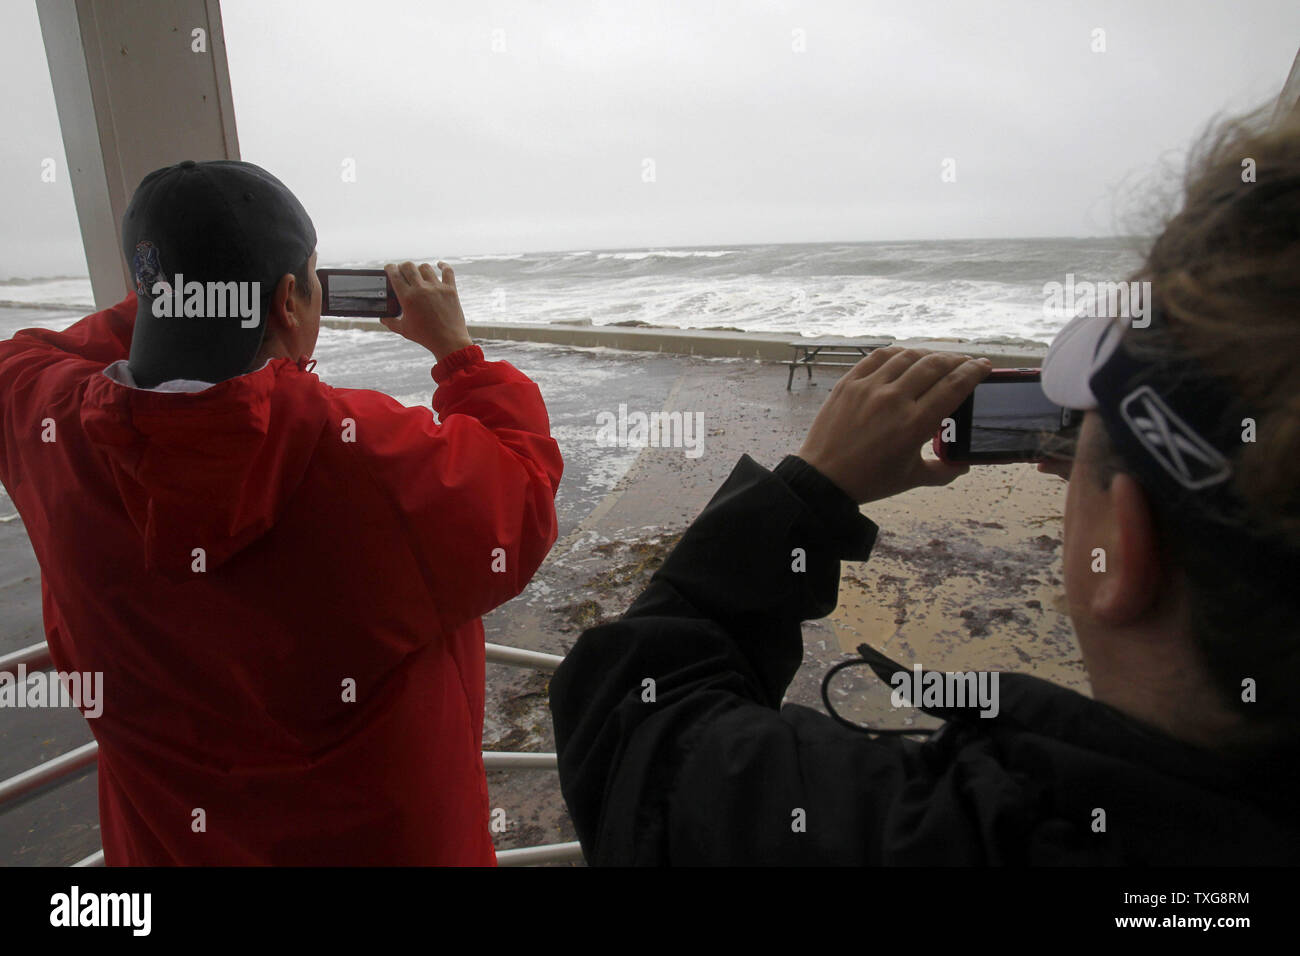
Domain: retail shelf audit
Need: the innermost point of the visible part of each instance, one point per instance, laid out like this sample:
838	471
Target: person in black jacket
673	745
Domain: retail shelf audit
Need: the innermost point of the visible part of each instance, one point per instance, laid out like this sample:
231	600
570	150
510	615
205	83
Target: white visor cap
1078	350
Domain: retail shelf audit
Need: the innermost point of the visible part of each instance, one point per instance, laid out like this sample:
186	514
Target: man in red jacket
280	581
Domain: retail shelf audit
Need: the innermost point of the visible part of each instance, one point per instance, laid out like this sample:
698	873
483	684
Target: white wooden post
138	85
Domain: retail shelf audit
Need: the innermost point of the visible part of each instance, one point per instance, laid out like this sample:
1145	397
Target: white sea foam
990	290
667	254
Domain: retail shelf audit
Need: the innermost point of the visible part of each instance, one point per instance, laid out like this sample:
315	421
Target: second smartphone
363	293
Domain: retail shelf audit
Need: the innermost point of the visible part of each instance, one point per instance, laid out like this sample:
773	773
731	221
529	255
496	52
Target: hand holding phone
867	437
431	313
1003	420
411	300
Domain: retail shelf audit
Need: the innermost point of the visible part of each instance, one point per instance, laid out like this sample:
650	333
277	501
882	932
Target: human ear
283	300
1132	579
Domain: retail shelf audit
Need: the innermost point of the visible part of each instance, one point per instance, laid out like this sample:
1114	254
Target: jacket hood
209	469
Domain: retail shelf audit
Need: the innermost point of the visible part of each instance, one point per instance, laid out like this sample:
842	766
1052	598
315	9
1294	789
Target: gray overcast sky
462	149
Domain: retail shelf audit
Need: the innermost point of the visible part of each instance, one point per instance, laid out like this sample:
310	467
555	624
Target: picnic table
830	353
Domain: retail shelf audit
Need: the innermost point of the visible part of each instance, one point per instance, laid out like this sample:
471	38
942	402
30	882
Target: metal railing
35	657
63	768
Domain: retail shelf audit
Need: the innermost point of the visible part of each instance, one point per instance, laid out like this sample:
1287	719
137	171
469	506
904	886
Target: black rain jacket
715	771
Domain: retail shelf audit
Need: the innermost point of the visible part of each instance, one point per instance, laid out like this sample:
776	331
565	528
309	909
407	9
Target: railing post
51	771
532	855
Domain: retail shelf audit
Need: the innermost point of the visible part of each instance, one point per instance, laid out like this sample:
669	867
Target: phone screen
351	294
1009	417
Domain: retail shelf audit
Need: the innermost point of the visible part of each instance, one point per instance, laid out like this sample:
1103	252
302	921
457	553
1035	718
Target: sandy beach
962	577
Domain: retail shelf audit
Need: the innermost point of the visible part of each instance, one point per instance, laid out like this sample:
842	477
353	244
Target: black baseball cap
224	224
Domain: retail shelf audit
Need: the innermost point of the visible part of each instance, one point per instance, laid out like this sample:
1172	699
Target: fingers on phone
898	363
395	276
428	272
409	272
943	472
951	389
873	360
448	273
927	370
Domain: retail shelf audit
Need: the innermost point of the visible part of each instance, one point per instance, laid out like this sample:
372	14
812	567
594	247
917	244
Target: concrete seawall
768	348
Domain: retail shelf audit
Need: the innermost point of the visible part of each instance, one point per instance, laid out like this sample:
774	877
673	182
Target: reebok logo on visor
1180	450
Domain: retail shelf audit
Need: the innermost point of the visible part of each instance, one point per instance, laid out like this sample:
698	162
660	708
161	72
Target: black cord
861	728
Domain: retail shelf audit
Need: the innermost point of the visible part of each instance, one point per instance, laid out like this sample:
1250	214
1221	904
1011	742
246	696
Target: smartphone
365	293
1004	420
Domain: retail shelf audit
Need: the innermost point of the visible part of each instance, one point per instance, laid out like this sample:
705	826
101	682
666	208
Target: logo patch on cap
146	265
1192	461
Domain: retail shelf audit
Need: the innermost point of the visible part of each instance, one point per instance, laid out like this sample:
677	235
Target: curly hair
1226	270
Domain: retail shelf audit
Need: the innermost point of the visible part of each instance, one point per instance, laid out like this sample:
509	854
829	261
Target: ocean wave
40	280
989	289
492	257
667	254
46	305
